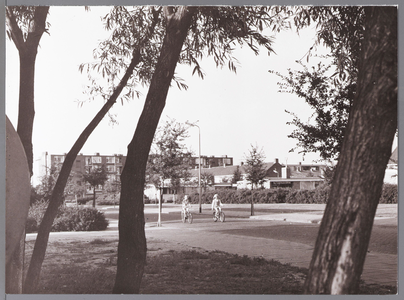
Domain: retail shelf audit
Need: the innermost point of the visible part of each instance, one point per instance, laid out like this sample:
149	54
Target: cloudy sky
234	111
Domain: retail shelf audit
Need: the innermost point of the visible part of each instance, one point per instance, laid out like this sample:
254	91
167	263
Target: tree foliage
254	166
236	175
96	176
169	158
328	89
330	101
207	179
215	31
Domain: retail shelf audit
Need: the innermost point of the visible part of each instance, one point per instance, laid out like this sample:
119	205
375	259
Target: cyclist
186	205
216	204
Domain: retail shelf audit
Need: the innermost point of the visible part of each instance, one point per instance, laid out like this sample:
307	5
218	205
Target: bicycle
219	215
187	216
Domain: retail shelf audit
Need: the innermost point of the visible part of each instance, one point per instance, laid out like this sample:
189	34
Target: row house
296	176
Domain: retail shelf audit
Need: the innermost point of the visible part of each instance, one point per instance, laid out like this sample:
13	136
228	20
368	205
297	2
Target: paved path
379	268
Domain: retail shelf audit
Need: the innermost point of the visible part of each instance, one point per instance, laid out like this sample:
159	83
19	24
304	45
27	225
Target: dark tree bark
345	230
132	239
27	49
56	199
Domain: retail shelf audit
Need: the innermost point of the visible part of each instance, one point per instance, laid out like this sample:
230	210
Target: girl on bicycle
186	205
216	204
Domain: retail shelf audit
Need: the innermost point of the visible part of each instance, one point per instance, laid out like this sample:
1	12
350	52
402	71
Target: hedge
67	218
281	195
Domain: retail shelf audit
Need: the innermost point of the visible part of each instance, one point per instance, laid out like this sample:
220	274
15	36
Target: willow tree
367	38
185	36
119	76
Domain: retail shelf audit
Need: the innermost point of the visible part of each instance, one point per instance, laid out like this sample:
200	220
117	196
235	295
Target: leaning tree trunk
345	230
132	239
41	242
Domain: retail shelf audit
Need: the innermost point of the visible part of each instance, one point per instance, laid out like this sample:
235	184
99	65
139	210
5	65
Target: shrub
67	218
321	193
31	225
389	193
282	195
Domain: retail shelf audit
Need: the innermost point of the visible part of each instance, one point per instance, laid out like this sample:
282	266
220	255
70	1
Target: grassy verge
89	266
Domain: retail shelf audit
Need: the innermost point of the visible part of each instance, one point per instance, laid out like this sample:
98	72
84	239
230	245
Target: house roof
225	171
394	157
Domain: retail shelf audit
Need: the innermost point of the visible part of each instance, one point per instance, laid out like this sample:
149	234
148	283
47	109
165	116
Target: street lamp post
199	163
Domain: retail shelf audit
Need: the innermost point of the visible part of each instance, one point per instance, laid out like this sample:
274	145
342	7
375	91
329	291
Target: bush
389	194
67	218
31	225
281	195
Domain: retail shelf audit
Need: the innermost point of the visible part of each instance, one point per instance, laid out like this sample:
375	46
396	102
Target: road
383	238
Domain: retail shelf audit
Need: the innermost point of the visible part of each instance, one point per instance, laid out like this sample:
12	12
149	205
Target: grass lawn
88	266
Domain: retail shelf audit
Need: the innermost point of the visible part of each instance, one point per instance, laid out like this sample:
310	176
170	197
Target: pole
199	173
200	190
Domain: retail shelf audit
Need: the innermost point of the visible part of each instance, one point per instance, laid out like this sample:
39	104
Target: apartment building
84	163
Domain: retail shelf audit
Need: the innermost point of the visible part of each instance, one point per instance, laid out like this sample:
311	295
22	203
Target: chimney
276	161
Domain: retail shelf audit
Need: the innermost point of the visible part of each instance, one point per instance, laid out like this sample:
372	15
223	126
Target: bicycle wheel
182	217
190	218
222	216
214	217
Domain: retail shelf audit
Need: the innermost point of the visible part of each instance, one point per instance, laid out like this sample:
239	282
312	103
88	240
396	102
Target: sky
234	111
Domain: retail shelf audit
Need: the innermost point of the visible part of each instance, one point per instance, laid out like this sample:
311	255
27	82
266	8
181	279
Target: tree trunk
345	230
132	239
26	111
252	200
94	197
56	199
27	50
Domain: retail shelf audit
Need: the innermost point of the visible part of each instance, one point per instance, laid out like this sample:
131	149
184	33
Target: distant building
84	163
391	174
296	176
212	161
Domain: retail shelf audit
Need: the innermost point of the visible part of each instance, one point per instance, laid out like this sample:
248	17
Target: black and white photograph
201	150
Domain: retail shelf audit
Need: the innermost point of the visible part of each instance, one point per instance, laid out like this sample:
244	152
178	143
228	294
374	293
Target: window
88	161
118	160
110	160
96	159
118	170
59	159
111	169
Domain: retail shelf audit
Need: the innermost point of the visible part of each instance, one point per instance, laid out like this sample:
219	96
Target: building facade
295	176
84	163
212	161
